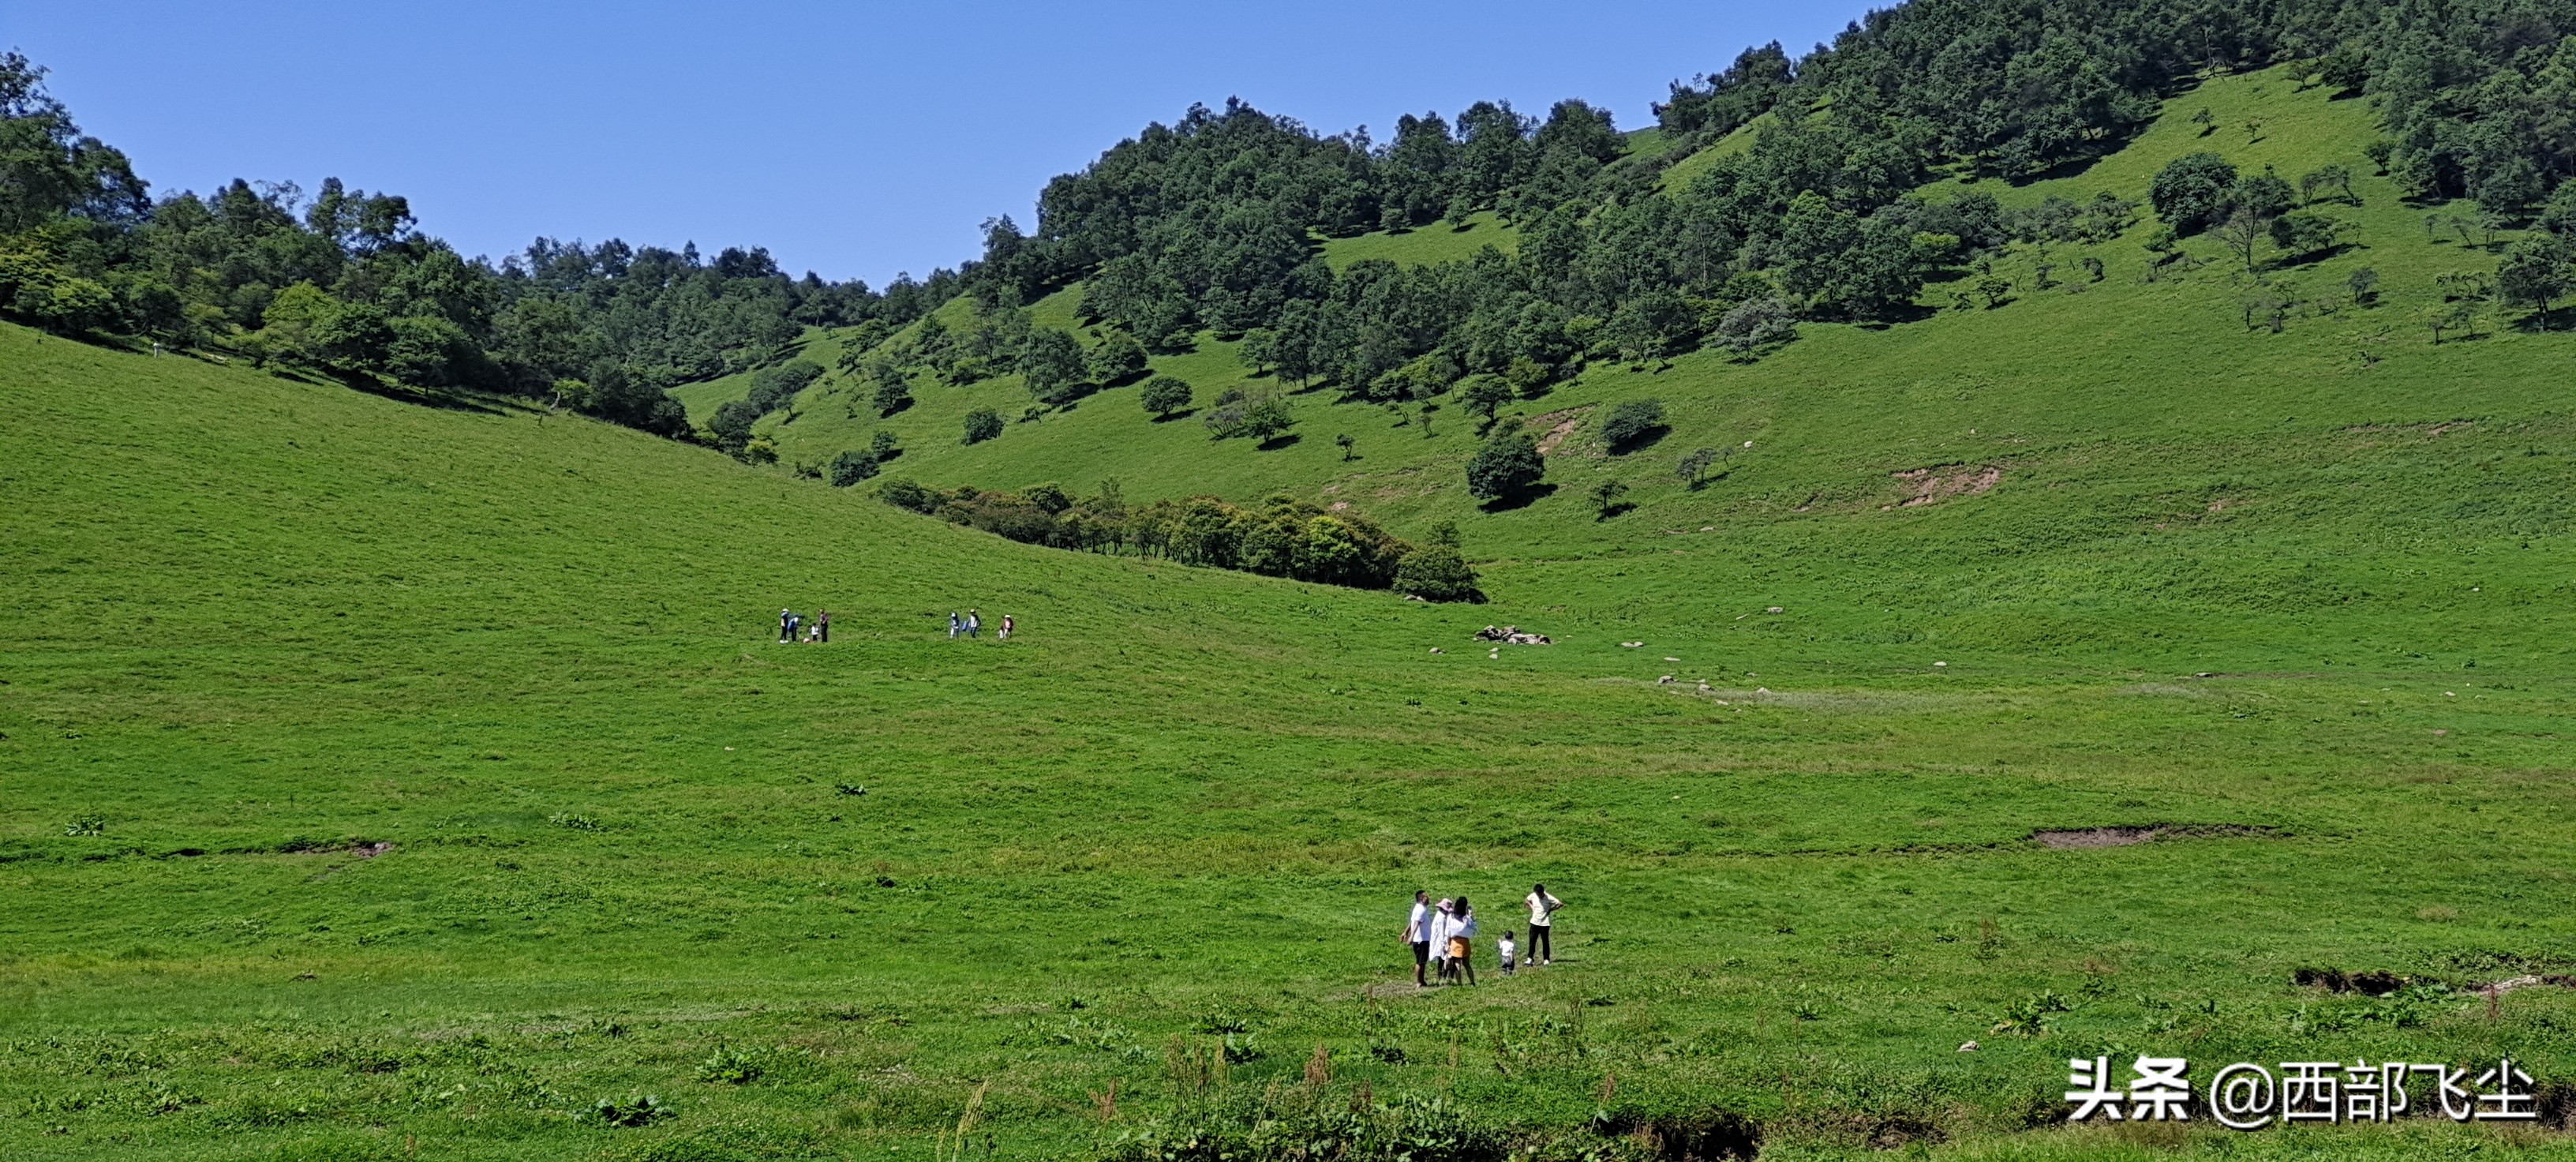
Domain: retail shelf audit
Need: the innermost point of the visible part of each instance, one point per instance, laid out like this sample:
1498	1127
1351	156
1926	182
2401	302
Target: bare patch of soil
2123	836
1932	485
1559	425
2096	837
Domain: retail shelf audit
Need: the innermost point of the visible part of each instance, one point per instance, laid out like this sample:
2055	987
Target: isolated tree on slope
1117	359
1164	395
1508	464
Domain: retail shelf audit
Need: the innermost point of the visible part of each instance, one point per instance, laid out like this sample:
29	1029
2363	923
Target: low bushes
1283	537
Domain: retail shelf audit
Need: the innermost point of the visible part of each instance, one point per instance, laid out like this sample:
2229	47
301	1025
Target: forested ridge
343	282
1212	224
1207	223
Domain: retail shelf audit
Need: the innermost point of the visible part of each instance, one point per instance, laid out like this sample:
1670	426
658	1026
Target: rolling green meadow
406	777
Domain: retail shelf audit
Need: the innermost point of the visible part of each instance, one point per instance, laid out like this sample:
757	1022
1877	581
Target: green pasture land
1680	174
2299	600
1425	245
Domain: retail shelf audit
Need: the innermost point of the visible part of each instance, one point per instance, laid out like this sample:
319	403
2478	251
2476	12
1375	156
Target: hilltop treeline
1209	222
1283	537
344	282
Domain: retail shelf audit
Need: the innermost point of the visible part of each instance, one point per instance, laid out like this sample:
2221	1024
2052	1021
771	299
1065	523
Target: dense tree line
1282	537
1209	223
343	282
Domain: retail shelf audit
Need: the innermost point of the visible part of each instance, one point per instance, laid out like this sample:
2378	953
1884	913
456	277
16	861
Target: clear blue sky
855	140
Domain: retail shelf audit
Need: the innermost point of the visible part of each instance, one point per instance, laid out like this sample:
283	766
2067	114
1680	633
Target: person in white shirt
1503	950
1542	908
1439	930
1417	932
1462	941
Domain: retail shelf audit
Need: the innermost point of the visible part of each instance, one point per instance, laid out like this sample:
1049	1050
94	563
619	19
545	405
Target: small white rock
1775	609
1940	665
1968	1047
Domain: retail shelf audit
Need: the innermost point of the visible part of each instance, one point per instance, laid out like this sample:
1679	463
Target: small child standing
1503	948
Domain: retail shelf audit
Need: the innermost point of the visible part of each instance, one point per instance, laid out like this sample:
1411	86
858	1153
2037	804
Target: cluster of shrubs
859	464
1282	537
1319	1121
772	389
1304	1123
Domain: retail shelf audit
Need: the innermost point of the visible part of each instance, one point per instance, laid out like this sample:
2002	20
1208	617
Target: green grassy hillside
1440	242
2298	600
2144	426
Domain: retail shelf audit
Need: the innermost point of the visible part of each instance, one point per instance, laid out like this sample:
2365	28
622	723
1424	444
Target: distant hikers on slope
1443	937
794	629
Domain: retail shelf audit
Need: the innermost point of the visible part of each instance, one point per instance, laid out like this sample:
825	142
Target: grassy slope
1780	898
1439	242
1681	173
2120	415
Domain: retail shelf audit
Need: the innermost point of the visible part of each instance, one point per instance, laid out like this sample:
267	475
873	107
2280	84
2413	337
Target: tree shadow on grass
1277	442
2558	319
424	397
1522	499
2313	257
1642	440
1622	508
1168	417
1898	314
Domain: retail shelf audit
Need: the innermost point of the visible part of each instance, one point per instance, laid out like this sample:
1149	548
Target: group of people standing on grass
972	625
1443	936
792	624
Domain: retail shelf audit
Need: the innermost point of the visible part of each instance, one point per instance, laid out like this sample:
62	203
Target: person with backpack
786	627
974	624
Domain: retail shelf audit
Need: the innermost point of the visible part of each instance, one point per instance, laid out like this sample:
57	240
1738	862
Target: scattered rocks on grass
1511	635
1930	485
1558	426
